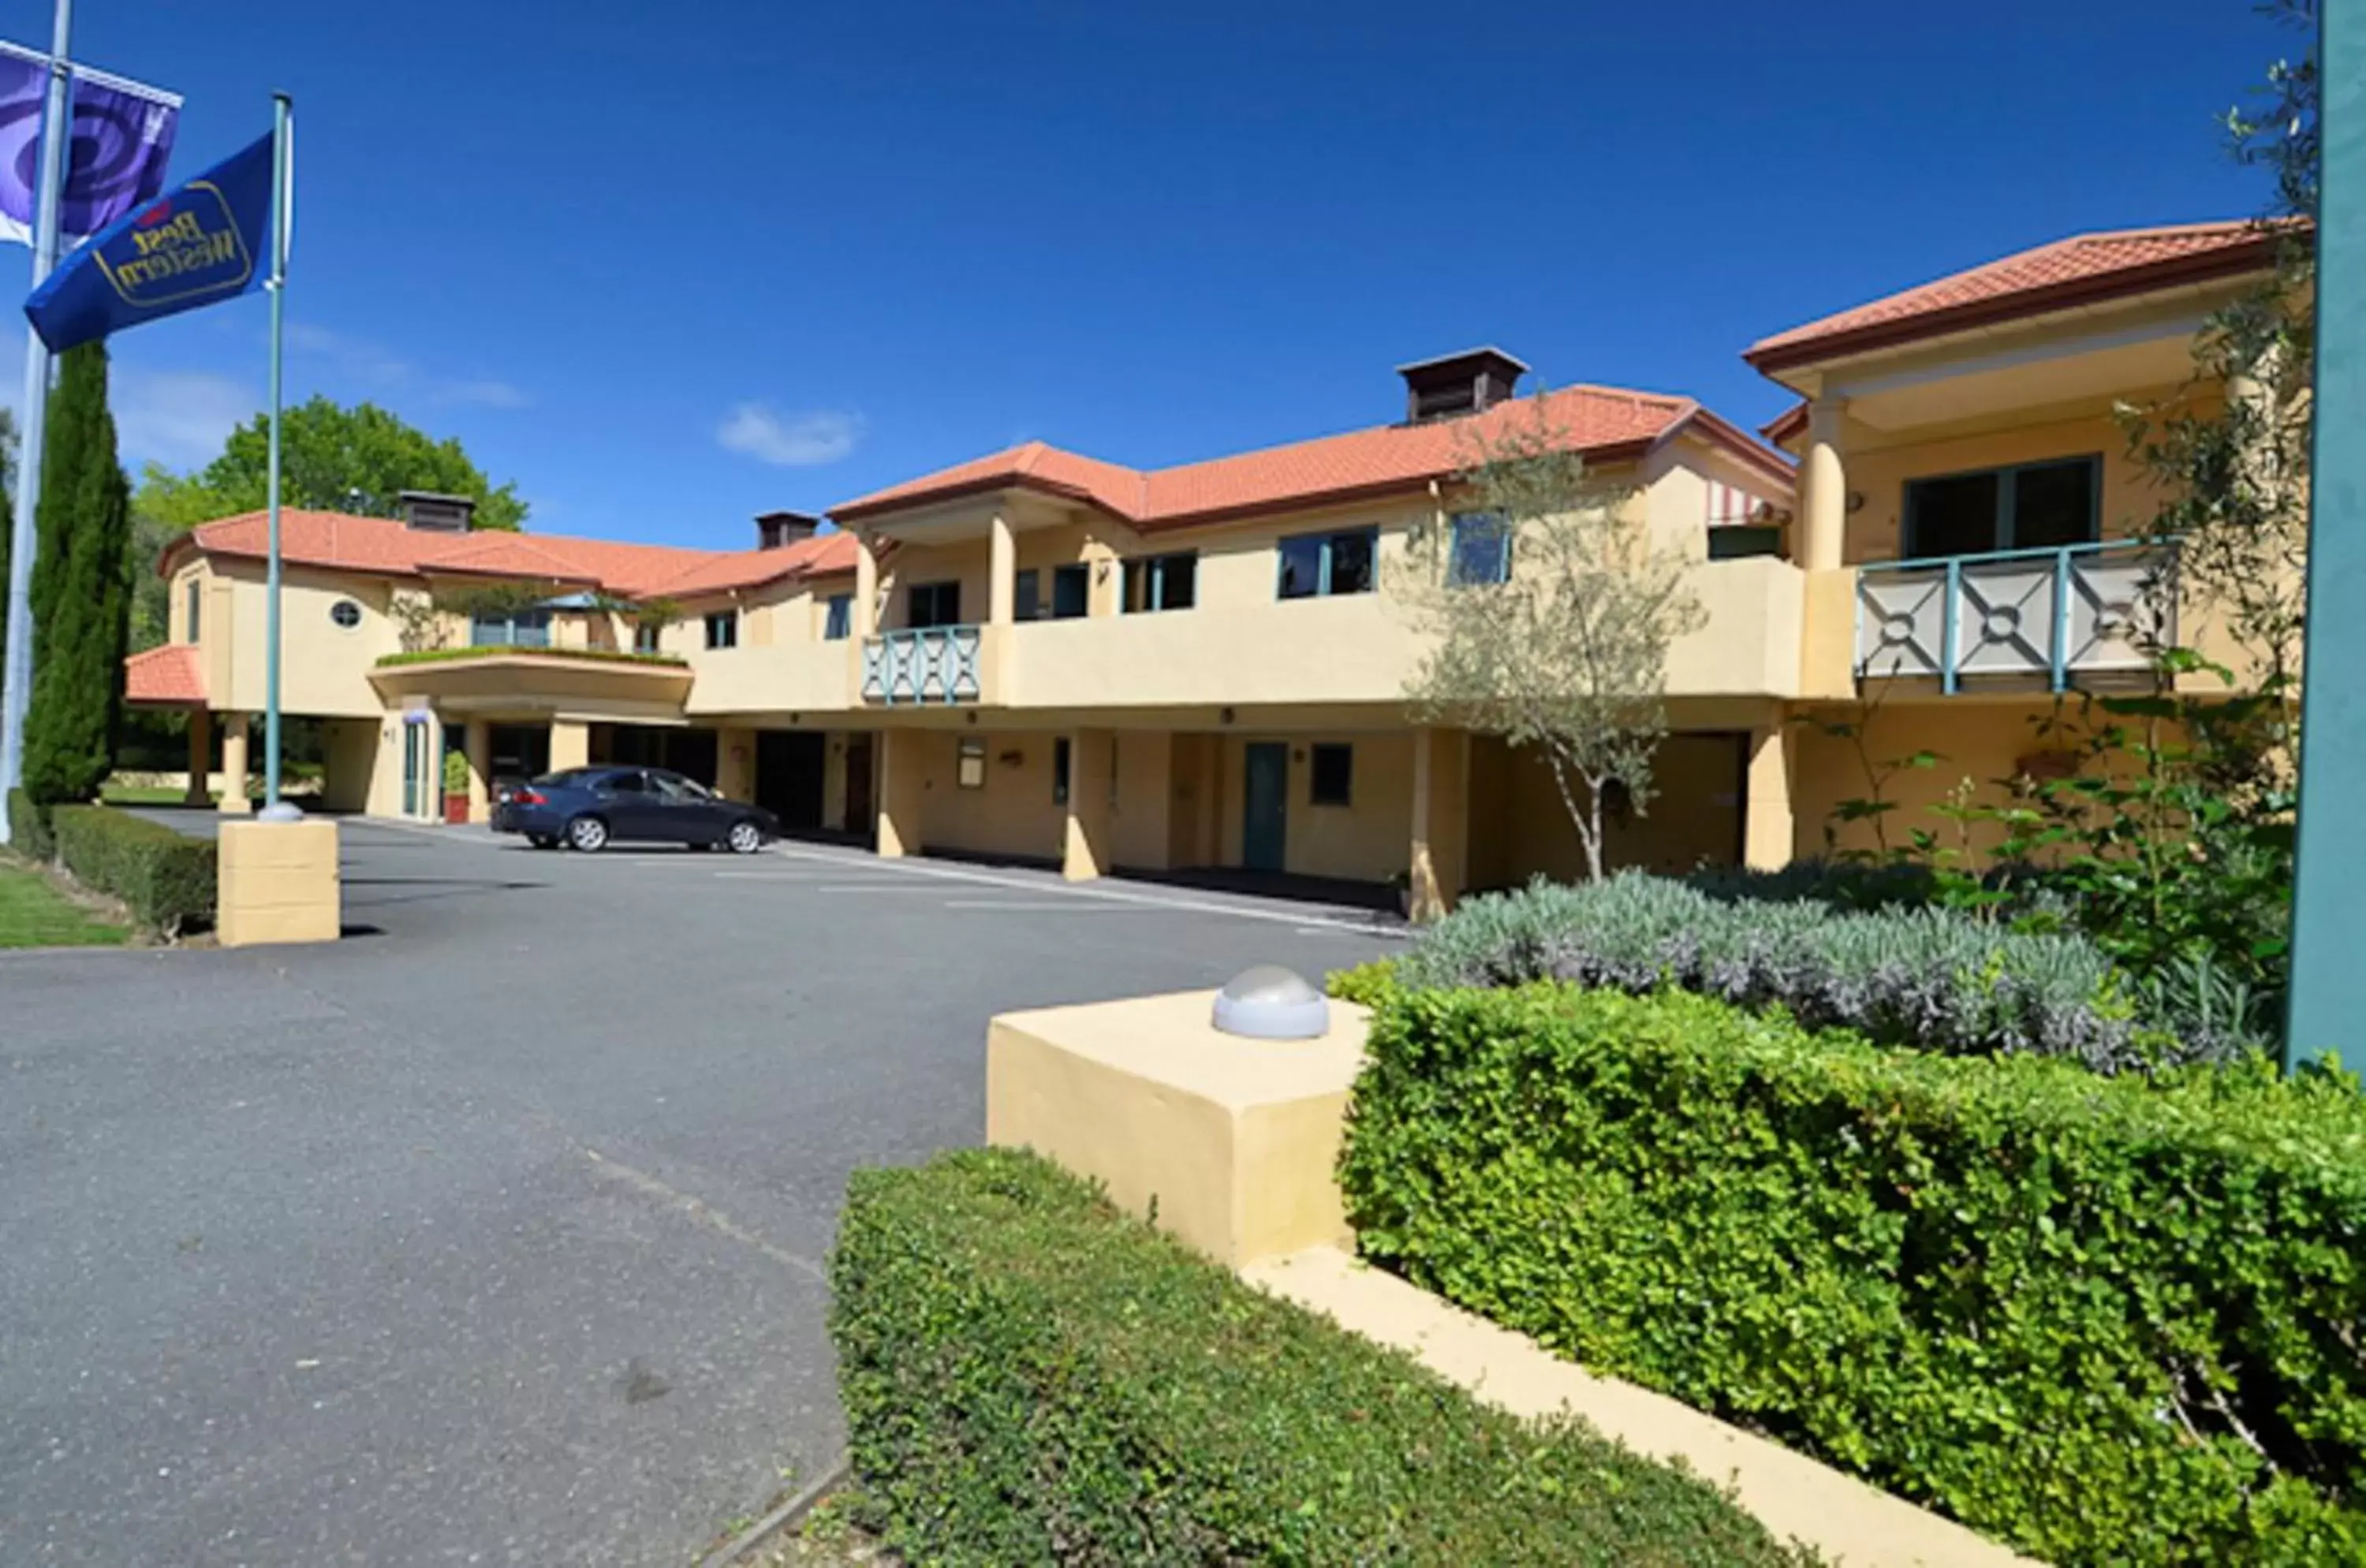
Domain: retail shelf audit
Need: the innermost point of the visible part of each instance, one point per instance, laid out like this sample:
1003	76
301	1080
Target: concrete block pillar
865	619
201	763
478	742
903	793
1823	489
735	764
1769	827
1438	866
233	800
1001	573
1092	774
570	744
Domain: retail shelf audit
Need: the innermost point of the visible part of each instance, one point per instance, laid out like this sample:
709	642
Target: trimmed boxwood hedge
166	877
2107	1320
1030	1377
28	828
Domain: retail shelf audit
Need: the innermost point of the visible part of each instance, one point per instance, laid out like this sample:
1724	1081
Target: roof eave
934	495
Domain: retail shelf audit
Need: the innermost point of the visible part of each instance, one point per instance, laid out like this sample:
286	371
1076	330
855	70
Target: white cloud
383	371
797	441
487	393
179	418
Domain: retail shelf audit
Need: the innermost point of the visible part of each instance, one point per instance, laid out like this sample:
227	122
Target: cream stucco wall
324	668
1367	840
1519	829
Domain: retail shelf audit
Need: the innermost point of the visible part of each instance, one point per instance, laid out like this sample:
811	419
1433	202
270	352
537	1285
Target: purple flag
122	138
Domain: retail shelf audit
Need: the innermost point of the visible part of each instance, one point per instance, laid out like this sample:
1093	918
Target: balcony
2017	618
923	664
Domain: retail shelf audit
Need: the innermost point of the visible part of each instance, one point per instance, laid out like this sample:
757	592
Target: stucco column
478	742
570	744
865	621
1768	825
1823	489
735	764
902	792
833	783
201	747
1084	853
1001	573
1440	858
233	799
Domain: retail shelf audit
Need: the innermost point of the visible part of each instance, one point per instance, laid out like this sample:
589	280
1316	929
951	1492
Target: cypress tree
82	588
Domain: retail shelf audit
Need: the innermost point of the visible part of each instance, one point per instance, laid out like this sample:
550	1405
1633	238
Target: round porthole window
346	613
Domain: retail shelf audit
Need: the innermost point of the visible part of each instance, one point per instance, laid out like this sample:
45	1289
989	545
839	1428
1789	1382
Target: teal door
1265	802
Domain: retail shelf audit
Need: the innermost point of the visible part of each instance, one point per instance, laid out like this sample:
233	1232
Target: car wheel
588	834
542	841
746	838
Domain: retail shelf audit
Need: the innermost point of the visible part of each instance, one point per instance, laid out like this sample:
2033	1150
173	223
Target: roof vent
433	514
777	530
1453	384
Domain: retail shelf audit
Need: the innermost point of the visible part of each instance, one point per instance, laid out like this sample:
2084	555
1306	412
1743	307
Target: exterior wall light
1269	1002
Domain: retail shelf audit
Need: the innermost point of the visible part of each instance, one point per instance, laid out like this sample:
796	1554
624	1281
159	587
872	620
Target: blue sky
667	265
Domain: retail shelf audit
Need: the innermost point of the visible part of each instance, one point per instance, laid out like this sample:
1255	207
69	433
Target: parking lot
495	1234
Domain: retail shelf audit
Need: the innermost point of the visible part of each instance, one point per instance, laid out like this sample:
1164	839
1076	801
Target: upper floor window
2027	507
723	628
1162	582
1480	550
646	635
1322	564
1072	588
933	605
193	599
518	628
837	618
345	615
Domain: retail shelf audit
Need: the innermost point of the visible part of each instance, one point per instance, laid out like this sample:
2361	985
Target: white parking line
1077	905
869	887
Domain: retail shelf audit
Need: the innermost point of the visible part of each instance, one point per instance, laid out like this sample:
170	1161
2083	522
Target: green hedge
2105	1319
1028	1377
167	878
495	650
28	828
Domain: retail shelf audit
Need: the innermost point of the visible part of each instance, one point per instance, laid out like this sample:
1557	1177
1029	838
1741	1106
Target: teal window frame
518	628
1072	592
943	599
722	629
647	637
1027	595
2000	533
1152	582
837	618
193	609
1327	542
1470	528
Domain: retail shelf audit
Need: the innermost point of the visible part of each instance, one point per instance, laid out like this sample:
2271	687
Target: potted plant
455	787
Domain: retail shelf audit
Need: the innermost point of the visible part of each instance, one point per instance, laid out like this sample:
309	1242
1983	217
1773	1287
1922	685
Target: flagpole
277	285
17	659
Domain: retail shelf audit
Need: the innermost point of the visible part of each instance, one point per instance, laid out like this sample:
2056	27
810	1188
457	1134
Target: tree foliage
82	588
332	458
1568	652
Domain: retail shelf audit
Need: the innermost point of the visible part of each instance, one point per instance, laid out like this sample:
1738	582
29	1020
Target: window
346	614
723	628
933	605
193	597
647	637
1027	595
1060	770
1322	564
519	628
2034	506
630	782
1072	588
1162	582
837	618
970	769
1334	777
1481	550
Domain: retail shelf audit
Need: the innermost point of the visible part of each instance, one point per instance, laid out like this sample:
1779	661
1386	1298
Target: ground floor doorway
861	804
789	768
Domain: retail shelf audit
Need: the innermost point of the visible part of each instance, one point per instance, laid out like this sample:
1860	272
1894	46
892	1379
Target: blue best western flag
206	242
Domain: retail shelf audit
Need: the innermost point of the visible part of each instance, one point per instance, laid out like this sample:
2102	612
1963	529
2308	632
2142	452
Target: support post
1437	867
903	797
1769	826
1001	573
17	656
234	747
570	744
202	758
1823	489
1092	774
478	742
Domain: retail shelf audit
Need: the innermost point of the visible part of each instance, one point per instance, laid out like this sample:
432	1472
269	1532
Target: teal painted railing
2012	616
923	664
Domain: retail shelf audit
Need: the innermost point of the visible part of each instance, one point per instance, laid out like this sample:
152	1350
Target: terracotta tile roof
1600	421
384	546
170	676
2078	270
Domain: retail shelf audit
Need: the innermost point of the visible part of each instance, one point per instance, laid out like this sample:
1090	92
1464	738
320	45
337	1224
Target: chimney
777	530
1454	384
433	514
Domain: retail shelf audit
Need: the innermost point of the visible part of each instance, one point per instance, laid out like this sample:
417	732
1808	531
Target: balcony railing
925	664
2051	614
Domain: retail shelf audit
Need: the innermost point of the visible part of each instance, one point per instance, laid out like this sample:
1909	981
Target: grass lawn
34	914
142	795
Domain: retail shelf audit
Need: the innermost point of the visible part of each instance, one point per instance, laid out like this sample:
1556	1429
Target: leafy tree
1568	652
81	589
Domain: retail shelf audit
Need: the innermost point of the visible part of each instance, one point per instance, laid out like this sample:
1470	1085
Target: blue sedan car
590	808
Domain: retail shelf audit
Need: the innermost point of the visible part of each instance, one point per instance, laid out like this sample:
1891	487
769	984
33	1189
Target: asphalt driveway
495	1234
